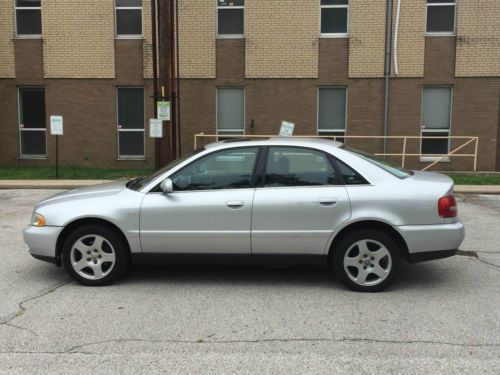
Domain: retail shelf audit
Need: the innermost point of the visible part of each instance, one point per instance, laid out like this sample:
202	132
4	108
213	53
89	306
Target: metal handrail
467	141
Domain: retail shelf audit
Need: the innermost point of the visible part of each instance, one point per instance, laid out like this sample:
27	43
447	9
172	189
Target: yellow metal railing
404	144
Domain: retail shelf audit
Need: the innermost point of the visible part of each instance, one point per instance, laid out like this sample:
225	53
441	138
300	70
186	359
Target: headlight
37	220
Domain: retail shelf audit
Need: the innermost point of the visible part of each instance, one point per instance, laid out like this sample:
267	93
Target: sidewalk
72	184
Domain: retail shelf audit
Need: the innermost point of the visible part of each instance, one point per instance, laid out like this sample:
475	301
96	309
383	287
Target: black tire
119	247
390	263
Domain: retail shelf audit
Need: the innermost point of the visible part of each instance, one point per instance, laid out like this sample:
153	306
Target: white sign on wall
56	125
155	128
286	129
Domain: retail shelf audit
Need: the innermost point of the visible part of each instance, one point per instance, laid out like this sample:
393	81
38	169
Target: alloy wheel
367	262
92	257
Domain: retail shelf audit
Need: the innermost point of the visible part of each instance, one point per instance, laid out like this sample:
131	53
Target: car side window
295	166
227	169
351	177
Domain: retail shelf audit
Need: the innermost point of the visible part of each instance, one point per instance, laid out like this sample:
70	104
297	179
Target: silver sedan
277	200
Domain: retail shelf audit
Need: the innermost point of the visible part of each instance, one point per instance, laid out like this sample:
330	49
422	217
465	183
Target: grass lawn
475	179
71	173
81	173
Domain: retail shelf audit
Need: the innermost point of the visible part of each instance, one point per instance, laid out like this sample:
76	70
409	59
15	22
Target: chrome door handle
235	204
327	202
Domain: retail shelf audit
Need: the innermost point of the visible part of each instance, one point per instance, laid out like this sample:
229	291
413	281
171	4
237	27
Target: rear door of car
300	202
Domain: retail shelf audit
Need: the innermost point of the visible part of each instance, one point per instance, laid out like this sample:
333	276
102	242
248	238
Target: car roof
288	141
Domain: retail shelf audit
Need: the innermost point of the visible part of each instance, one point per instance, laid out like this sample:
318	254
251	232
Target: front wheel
95	255
366	261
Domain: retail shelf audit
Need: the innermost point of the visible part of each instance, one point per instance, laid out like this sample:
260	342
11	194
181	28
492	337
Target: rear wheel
366	260
95	255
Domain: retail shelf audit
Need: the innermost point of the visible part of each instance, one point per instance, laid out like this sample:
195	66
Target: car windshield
140	182
386	165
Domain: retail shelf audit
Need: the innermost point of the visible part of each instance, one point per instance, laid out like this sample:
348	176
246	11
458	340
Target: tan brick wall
78	39
366	38
281	38
7	65
197	25
147	45
411	37
478	38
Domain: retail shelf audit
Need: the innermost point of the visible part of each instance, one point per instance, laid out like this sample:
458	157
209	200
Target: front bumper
432	239
42	242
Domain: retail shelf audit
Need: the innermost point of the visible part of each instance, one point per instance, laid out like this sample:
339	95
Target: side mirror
167	186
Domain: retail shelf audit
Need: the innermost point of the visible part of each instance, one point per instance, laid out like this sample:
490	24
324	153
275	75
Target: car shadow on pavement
414	276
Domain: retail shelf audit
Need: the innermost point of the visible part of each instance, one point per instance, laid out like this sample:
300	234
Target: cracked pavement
438	317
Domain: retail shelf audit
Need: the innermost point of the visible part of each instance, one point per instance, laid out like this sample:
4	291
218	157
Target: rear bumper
42	242
431	255
432	238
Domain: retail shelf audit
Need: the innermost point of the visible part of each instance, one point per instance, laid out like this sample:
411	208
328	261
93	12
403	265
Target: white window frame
228	36
334	132
129	36
26	36
119	130
333	35
227	133
23	129
442	33
423	130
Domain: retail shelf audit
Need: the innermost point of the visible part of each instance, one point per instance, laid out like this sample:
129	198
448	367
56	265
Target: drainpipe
396	34
387	74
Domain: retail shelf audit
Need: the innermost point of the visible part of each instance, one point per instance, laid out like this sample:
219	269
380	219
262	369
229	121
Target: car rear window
384	164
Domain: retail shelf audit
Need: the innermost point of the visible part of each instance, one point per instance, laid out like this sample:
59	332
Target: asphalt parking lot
438	317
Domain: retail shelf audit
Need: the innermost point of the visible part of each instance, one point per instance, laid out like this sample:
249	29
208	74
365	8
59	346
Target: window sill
129	37
428	159
23	37
230	37
440	34
333	36
33	157
131	158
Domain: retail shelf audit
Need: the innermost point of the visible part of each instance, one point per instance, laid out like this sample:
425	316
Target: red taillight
447	206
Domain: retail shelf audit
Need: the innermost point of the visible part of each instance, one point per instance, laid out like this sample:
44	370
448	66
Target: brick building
246	65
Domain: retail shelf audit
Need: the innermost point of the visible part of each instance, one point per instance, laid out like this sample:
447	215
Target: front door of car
209	210
300	203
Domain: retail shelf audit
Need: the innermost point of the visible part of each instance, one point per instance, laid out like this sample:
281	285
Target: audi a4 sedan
278	200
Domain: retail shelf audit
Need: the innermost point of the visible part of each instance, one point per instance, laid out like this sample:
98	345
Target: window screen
128	17
230	110
436	108
441	16
331	109
230	17
130	122
28	18
334	16
32	124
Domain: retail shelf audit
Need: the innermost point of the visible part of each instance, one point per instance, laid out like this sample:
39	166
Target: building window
334	17
230	112
28	18
436	121
130	122
32	125
332	111
441	16
128	18
230	18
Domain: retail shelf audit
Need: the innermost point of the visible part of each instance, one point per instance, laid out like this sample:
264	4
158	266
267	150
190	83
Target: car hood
96	191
